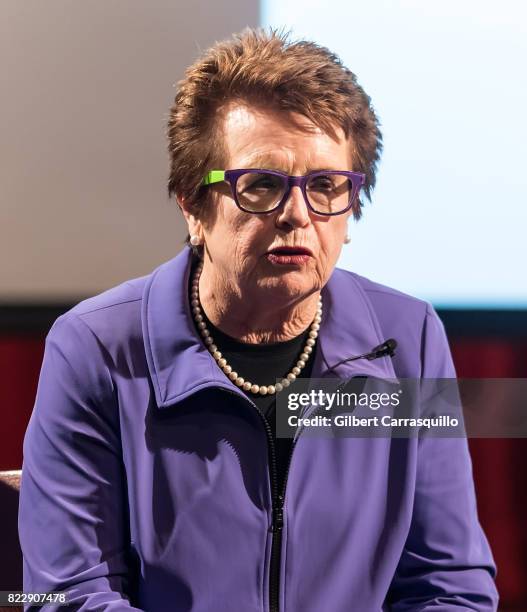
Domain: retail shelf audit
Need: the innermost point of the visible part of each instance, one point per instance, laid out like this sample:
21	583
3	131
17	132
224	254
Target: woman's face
237	244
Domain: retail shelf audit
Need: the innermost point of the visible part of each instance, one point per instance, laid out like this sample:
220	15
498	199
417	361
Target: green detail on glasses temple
214	176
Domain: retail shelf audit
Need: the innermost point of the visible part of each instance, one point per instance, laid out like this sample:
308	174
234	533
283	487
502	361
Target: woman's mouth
289	256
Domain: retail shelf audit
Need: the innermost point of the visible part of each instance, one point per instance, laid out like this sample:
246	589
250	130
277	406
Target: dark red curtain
20	361
500	469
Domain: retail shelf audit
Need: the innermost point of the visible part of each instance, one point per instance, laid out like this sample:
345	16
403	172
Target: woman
152	478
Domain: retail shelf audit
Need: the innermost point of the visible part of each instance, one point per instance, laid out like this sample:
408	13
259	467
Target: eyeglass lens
261	192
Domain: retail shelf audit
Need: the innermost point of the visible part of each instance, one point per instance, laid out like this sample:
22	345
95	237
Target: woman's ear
193	223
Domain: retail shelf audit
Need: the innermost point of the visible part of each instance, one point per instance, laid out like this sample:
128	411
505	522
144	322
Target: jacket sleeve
446	564
73	523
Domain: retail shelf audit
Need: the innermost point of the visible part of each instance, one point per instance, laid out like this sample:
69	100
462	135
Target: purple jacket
146	479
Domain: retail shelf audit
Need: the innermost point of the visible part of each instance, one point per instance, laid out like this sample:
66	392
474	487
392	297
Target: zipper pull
278	514
278	520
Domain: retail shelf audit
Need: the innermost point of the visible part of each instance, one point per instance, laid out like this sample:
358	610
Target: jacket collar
180	365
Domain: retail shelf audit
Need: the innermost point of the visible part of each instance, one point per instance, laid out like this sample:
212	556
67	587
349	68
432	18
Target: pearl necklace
222	362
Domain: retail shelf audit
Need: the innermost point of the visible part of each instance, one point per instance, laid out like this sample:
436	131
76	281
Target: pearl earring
194	240
347	239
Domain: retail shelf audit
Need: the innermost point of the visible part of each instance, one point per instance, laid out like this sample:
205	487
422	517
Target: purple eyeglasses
257	191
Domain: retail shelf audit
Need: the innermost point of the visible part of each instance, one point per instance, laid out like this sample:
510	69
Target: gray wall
85	92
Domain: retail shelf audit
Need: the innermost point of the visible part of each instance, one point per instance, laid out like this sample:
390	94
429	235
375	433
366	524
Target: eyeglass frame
357	180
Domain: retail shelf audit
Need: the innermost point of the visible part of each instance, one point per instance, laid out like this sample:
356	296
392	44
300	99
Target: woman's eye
321	183
261	184
265	183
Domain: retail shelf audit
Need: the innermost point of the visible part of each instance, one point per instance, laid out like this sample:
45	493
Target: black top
262	364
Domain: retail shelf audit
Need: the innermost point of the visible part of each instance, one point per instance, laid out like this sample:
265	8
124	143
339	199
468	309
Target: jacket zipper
277	508
276	549
278	499
278	515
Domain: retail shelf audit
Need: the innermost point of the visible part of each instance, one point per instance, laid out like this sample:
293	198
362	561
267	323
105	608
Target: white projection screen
448	218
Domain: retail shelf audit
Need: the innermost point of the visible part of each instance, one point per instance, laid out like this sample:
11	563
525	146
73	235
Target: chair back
10	553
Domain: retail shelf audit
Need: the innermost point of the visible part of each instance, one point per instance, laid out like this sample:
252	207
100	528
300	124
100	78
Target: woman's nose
294	211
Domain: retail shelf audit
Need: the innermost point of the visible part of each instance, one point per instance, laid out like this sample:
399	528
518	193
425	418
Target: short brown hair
266	68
